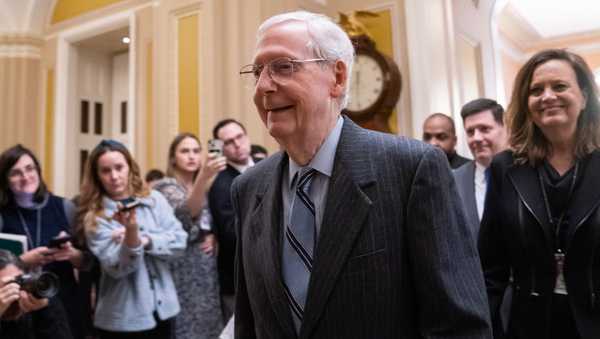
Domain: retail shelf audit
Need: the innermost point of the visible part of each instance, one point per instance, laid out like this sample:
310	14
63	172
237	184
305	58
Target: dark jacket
47	323
219	202
394	257
516	236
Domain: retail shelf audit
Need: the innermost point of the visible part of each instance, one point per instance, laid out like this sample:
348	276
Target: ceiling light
126	40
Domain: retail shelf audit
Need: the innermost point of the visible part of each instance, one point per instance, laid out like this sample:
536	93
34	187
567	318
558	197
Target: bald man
439	130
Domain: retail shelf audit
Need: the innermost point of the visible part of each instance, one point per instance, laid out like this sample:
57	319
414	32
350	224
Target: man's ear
340	72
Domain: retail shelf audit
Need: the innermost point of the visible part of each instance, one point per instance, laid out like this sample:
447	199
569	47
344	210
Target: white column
433	83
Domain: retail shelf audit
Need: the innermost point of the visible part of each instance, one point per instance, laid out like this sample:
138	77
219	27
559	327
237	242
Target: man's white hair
328	40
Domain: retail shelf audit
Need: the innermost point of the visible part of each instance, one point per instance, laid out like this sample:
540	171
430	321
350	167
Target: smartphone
128	204
59	240
215	146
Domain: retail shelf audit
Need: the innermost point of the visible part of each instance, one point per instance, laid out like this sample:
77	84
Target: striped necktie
299	245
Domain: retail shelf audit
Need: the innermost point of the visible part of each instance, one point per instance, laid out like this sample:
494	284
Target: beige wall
21	92
20	97
425	47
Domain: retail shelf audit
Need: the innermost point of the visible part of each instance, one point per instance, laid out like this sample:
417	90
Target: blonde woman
137	297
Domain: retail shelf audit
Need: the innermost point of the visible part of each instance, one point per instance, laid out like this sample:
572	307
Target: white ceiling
555	18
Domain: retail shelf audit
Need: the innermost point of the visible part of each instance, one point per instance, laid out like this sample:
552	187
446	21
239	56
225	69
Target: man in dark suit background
236	149
346	233
486	137
439	130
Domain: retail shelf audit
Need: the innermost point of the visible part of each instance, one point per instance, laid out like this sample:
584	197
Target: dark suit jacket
465	183
516	236
393	259
456	160
219	202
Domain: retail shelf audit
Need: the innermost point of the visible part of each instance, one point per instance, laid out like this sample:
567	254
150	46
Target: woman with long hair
540	230
28	208
132	232
195	273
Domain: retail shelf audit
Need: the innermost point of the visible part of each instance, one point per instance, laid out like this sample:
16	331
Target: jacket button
160	302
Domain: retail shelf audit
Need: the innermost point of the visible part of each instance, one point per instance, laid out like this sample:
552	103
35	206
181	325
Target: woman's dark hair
173	148
7	160
525	138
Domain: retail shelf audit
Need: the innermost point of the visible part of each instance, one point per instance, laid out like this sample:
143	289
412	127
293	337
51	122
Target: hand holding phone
128	204
59	240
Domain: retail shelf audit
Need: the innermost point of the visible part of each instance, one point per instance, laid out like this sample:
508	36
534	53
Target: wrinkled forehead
285	39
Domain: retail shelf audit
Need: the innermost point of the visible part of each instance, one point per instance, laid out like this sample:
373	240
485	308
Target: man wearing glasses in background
347	233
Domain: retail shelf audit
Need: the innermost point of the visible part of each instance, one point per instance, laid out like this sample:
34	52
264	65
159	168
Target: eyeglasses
279	70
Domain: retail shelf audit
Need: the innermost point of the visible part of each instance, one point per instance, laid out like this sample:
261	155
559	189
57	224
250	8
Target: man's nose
477	135
264	83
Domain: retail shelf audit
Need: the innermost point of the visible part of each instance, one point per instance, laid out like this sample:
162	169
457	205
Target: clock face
367	83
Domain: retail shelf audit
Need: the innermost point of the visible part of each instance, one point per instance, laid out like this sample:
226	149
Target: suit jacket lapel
267	222
470	197
527	184
587	197
346	210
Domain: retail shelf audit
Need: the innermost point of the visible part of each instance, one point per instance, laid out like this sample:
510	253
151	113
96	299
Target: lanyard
558	224
38	233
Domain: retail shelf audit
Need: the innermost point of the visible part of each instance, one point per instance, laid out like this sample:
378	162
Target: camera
40	286
44	285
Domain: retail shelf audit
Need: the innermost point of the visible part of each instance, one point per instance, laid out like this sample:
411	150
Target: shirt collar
242	168
479	167
323	160
479	171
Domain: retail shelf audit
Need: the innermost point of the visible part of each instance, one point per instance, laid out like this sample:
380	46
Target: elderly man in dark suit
346	233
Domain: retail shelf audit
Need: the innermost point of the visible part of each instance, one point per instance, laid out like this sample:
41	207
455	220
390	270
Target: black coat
47	323
516	235
394	257
219	202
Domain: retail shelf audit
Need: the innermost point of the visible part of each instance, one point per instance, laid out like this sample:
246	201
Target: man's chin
279	131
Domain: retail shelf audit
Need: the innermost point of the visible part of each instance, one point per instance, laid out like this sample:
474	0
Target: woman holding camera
22	315
133	233
28	208
540	230
195	273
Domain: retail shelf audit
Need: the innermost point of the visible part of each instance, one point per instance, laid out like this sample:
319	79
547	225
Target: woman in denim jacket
137	297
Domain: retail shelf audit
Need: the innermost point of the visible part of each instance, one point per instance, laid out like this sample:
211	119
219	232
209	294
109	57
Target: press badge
560	287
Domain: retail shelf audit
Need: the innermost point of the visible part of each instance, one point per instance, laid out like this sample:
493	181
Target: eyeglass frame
255	67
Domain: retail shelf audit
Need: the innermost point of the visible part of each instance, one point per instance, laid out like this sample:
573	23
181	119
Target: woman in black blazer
540	230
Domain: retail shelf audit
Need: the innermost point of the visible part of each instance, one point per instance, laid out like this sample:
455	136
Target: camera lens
47	285
40	286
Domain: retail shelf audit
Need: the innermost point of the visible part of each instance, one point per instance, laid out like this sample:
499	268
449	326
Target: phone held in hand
128	204
215	146
59	240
